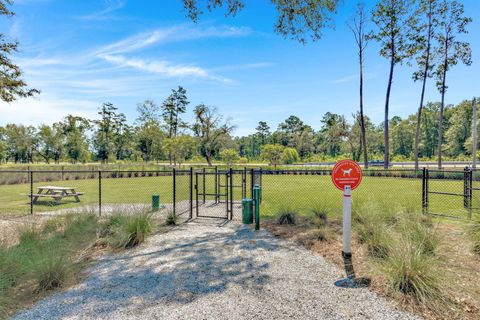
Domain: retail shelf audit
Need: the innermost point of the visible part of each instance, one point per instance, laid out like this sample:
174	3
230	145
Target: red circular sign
346	173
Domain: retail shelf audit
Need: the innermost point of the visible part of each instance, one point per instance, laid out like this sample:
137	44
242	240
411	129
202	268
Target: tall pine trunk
362	118
386	158
442	107
422	95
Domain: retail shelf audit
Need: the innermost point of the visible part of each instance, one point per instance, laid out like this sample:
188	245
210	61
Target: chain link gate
219	194
449	193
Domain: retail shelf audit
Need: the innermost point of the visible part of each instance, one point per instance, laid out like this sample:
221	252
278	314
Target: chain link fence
212	192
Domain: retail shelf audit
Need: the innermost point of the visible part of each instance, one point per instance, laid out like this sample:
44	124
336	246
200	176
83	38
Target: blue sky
83	53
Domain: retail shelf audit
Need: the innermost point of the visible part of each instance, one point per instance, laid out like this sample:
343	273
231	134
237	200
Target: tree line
426	34
160	133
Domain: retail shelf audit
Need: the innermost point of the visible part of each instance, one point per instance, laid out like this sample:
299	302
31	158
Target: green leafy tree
294	133
290	156
3	146
297	19
21	142
451	50
402	137
263	132
12	86
392	18
76	145
108	129
211	130
148	111
149	141
458	135
50	142
229	156
332	134
180	147
272	153
173	107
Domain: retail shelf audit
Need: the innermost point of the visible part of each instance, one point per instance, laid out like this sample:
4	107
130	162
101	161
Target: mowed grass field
301	192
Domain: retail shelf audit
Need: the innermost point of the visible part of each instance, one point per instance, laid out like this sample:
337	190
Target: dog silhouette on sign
346	173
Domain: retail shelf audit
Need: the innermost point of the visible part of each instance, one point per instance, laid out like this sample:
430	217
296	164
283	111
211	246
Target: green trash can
247	211
155	202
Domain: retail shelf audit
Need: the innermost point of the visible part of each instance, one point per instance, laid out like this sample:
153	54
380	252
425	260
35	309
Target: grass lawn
301	192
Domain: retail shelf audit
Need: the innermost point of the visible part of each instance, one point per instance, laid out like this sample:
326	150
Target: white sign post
346	176
347	221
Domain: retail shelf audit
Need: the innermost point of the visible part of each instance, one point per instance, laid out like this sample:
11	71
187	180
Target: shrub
320	214
376	238
50	267
287	215
29	236
127	231
423	235
171	219
411	272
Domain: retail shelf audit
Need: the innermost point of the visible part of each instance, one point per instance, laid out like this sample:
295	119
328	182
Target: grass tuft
128	231
171	219
320	215
50	267
287	215
411	272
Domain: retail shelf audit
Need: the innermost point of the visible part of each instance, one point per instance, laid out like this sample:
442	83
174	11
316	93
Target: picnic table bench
57	193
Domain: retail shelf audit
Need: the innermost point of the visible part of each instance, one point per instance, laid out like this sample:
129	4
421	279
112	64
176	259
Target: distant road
408	164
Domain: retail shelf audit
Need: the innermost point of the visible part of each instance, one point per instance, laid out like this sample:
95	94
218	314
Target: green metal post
256	198
259	193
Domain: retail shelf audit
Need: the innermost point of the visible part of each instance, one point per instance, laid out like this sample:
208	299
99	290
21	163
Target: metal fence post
426	176
99	193
470	193
191	192
31	192
423	190
204	189
174	191
252	182
465	187
217	182
231	193
261	176
196	194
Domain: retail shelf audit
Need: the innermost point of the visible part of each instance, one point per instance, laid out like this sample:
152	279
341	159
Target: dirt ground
461	268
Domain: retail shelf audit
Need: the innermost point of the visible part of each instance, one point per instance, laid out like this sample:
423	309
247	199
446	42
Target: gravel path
213	270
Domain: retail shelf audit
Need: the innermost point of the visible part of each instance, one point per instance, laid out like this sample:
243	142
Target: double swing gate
219	194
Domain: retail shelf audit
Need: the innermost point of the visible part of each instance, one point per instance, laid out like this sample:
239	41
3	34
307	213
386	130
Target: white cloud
164	68
111	6
44	109
176	33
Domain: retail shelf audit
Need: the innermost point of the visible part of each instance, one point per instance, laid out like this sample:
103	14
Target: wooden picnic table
57	193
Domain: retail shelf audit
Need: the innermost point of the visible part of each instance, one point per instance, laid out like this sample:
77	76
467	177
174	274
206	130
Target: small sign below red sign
346	173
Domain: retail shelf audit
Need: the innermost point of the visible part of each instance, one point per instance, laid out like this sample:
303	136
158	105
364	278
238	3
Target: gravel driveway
213	270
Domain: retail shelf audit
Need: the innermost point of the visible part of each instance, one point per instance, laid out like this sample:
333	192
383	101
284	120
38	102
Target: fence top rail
92	171
446	171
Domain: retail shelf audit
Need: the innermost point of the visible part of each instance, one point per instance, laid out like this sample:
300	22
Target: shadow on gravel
183	269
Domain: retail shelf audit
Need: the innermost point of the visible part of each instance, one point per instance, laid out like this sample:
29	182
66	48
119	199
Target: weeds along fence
196	192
